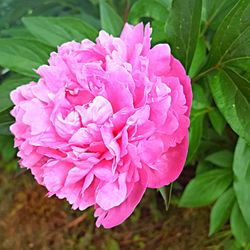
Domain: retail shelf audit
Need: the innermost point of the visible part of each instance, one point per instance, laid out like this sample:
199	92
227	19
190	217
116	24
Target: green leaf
23	56
232	245
200	100
156	11
221	211
7	86
12	165
57	30
8	151
216	10
183	29
200	107
241	168
228	68
239	227
195	133
231	40
223	158
17	32
148	8
110	20
217	120
5	121
205	188
198	59
203	167
232	96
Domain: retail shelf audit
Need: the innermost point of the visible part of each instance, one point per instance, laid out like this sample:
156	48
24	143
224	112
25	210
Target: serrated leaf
182	29
223	158
239	227
57	30
221	211
205	188
22	55
241	168
111	22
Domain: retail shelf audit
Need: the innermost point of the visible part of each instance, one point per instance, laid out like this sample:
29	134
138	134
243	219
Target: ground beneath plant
30	220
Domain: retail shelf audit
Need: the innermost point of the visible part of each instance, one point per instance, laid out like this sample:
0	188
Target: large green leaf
110	20
221	211
228	68
182	29
8	85
57	30
223	158
206	188
241	168
215	11
232	96
238	225
23	56
231	41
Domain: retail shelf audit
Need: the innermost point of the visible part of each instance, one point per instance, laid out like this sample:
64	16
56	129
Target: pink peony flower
105	121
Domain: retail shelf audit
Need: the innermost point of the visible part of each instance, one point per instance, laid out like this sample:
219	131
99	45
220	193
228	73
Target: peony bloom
105	121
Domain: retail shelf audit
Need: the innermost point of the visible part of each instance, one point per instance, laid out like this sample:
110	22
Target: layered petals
104	122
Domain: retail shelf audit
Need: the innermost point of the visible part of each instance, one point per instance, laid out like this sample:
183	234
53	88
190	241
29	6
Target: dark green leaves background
212	40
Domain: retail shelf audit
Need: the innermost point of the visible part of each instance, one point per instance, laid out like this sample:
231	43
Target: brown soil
30	220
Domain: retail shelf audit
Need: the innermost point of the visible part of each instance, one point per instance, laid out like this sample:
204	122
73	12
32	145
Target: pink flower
105	121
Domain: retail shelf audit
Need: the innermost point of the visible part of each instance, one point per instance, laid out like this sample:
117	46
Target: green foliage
212	40
156	11
241	168
239	227
206	188
23	55
110	20
221	211
223	158
182	29
8	85
57	30
217	120
229	83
